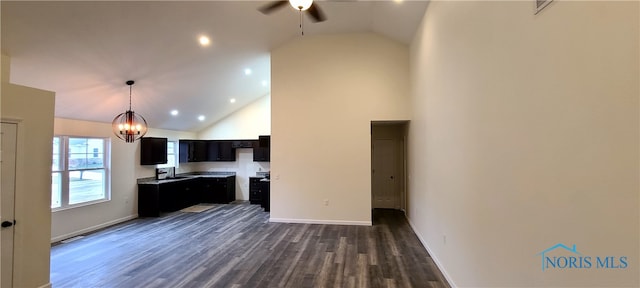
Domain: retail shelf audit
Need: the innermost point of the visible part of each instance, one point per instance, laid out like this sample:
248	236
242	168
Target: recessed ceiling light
247	71
264	83
204	40
201	117
398	1
174	112
232	100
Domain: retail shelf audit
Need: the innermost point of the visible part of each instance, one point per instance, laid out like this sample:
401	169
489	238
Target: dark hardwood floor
235	246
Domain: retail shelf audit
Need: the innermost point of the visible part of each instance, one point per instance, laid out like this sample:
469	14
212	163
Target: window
172	155
80	171
56	179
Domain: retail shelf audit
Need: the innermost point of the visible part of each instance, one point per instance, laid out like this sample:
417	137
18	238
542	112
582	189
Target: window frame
64	171
173	156
57	171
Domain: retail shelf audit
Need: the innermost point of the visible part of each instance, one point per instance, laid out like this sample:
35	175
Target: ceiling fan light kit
306	6
301	4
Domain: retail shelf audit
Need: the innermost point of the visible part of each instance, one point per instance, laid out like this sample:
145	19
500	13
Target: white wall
524	135
325	91
33	108
6	68
125	170
248	122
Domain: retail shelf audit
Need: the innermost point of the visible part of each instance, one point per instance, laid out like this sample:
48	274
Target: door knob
6	224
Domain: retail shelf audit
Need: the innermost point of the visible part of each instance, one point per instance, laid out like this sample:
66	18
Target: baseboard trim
325	222
435	259
92	228
48	285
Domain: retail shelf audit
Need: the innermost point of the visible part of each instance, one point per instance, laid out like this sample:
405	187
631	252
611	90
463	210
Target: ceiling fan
301	5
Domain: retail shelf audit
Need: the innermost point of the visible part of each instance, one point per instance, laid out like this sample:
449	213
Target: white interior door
8	137
383	176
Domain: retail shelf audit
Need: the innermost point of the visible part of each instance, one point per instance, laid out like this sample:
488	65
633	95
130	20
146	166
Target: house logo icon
563	257
548	260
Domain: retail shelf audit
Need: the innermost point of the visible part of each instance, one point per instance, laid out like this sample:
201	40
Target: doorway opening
388	167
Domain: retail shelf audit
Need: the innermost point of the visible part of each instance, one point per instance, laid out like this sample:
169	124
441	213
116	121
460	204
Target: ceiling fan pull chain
301	27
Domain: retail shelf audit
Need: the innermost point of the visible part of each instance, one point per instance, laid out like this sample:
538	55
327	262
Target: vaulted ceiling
85	51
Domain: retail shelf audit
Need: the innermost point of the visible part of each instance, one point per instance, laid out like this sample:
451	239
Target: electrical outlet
326	202
444	239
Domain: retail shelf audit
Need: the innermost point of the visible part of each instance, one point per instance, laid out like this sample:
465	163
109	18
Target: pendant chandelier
129	126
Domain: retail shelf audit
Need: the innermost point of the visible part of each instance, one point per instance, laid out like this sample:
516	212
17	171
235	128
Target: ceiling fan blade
266	9
315	13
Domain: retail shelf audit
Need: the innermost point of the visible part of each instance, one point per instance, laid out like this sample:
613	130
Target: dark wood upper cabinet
220	150
262	151
199	151
213	150
261	154
153	151
183	151
264	141
227	152
193	151
242	143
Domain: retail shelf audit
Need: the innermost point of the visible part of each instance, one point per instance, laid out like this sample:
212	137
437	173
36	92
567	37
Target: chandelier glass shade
129	126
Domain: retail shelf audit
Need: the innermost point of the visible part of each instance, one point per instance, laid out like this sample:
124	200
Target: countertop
185	176
262	176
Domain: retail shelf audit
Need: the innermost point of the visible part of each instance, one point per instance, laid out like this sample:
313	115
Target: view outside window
86	170
172	155
82	178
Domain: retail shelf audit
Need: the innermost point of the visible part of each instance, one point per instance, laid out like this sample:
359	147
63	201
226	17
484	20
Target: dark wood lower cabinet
266	195
166	197
170	196
178	195
255	192
218	190
259	192
148	200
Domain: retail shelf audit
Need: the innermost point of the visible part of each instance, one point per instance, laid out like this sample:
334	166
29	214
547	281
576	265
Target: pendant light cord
130	97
